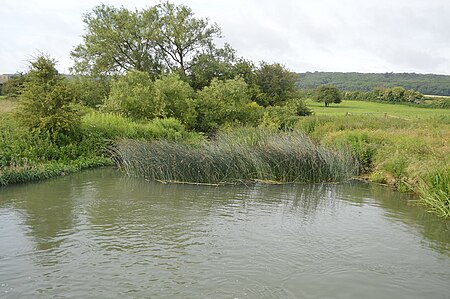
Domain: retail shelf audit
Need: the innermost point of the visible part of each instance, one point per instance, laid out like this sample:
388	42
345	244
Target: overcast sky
304	35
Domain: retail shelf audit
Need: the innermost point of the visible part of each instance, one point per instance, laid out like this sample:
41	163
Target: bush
133	95
90	91
222	102
177	97
110	126
46	101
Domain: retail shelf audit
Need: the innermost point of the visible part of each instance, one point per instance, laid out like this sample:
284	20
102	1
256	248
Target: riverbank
411	154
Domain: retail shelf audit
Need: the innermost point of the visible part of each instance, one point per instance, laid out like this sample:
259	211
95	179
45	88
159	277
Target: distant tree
328	94
14	85
164	37
277	84
46	100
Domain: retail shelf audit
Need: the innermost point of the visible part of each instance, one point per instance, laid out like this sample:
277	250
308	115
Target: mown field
376	109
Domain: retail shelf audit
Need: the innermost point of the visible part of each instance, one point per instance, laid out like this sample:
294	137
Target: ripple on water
105	236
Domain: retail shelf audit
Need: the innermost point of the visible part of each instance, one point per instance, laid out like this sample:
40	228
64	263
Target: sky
305	35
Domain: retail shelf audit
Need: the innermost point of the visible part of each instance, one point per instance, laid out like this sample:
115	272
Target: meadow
376	109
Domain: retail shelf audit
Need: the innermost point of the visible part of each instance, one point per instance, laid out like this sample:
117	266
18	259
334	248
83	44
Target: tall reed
248	154
434	190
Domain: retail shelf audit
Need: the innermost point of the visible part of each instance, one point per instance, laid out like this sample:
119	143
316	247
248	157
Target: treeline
425	83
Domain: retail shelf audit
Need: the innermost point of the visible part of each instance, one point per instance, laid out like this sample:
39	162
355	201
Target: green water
98	234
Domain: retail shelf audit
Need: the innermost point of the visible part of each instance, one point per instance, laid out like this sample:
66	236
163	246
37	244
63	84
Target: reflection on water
99	234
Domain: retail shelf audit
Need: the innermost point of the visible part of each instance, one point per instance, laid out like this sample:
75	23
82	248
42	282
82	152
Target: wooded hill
425	83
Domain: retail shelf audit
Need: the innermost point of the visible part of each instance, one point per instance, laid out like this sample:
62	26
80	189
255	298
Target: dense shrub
90	91
133	95
222	102
178	99
109	126
46	101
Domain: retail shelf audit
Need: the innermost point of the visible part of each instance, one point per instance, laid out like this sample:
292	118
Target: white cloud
327	35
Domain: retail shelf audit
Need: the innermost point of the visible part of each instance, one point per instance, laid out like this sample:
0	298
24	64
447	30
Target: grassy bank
412	155
241	155
29	156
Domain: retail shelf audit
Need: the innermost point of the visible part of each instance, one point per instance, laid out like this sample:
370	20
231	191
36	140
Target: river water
99	234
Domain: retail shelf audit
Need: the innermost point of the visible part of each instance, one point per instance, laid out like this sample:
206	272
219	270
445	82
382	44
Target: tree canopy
161	38
328	94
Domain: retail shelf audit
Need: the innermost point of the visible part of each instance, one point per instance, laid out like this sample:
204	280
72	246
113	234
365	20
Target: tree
216	63
118	40
222	102
182	37
328	94
133	95
277	84
45	100
177	96
14	85
161	38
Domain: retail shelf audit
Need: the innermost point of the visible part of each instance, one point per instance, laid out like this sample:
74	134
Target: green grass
7	105
247	154
399	152
376	109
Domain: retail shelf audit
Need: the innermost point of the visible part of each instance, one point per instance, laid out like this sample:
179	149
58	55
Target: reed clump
243	155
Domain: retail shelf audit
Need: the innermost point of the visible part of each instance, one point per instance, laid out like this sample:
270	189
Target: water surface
99	234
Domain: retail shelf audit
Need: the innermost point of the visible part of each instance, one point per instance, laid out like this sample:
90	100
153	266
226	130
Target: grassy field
376	109
7	105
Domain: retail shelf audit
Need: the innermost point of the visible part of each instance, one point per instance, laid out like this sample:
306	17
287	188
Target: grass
376	109
434	190
7	105
399	152
244	155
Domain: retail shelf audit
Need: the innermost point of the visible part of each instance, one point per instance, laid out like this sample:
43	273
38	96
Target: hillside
425	83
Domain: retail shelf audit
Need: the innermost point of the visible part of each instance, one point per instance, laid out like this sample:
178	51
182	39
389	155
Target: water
98	234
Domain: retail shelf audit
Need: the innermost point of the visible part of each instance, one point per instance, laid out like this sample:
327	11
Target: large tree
277	84
164	37
328	94
182	37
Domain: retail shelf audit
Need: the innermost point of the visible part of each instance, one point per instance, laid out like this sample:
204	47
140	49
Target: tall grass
408	154
434	190
249	154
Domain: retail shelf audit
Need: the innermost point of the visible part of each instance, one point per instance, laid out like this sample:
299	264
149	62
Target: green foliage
402	153
276	83
434	190
181	37
279	117
424	83
222	102
328	94
46	101
133	95
229	159
90	91
178	99
161	37
106	127
13	87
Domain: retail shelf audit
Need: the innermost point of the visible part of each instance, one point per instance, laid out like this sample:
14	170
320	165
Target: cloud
305	35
